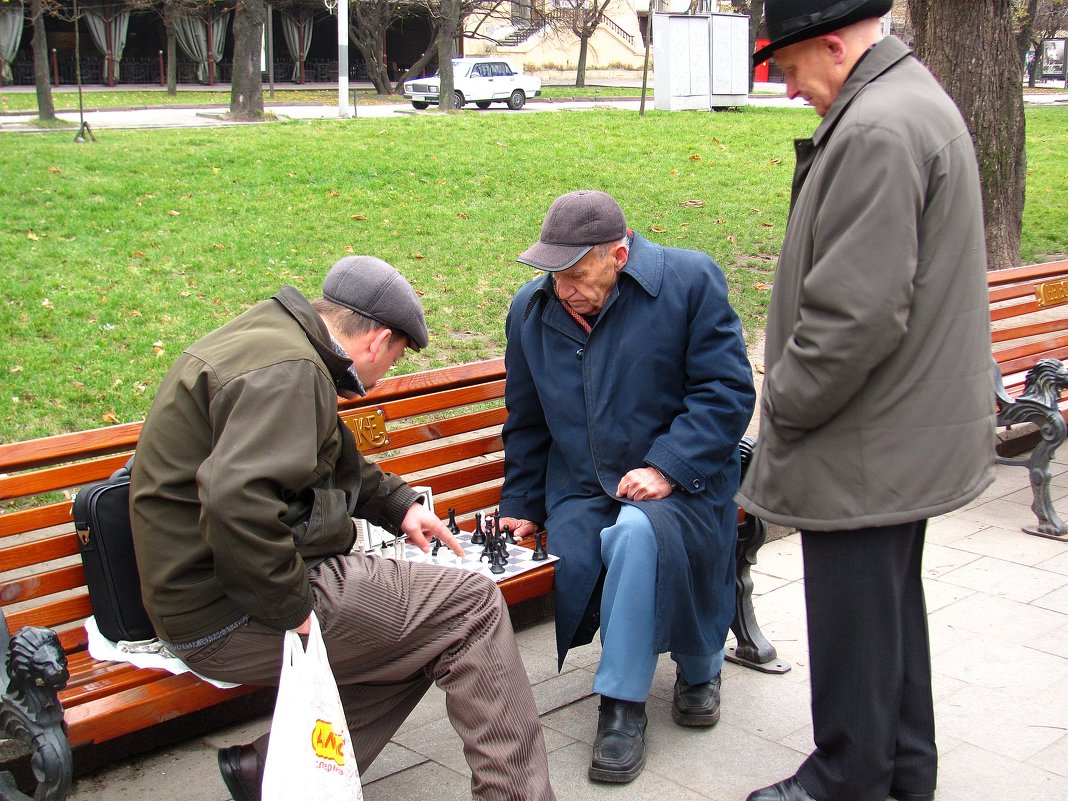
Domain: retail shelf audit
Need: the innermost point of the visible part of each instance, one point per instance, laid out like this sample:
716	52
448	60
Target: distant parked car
477	80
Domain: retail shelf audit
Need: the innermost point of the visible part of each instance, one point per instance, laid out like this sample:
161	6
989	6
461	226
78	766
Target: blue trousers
628	614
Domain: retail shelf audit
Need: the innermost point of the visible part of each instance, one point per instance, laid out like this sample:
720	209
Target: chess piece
453	527
499	558
508	535
540	552
479	536
437	544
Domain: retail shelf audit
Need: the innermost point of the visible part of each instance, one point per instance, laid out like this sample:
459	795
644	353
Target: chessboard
520	559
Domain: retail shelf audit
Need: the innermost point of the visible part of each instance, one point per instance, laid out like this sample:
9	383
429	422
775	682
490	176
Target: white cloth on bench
140	653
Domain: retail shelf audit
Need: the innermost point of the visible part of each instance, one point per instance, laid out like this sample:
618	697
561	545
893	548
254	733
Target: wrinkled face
586	284
812	72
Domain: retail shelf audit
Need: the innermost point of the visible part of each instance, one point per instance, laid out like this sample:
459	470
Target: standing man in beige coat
876	411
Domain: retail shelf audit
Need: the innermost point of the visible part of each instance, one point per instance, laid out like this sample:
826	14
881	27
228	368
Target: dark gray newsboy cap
374	289
574	223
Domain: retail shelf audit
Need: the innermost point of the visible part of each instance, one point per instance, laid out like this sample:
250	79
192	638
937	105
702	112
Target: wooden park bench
439	428
1029	320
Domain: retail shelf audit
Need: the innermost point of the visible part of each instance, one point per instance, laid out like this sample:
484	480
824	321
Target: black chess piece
499	558
479	536
437	544
540	552
508	535
453	527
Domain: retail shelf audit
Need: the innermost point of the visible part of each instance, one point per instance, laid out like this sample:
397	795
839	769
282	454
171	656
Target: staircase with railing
560	18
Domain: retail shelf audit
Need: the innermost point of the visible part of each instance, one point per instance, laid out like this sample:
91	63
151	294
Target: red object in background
761	72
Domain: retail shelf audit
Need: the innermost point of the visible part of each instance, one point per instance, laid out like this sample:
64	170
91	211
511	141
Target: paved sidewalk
998	610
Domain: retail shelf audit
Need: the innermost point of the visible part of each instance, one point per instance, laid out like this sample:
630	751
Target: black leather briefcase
102	519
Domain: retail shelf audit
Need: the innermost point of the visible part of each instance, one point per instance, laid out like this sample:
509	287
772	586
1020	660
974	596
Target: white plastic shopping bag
310	755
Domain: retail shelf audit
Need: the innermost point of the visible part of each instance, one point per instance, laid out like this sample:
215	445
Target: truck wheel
516	100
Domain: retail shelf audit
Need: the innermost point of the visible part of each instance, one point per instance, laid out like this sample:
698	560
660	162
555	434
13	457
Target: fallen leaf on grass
350	249
32	236
333	193
357	217
16	369
47	304
110	417
461	215
416	255
157	348
656	229
693	204
775	161
695	157
174	213
54	170
768	225
217	246
762	286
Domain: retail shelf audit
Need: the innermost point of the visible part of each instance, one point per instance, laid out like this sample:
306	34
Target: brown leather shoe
242	772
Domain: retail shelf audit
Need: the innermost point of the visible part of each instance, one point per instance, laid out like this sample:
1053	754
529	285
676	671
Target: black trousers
870	662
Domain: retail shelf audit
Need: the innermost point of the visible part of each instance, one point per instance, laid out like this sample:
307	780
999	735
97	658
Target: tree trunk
970	47
246	94
46	109
368	39
172	49
416	69
580	70
450	23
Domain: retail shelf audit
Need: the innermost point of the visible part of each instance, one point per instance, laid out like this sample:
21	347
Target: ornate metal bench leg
1049	523
1039	405
33	669
753	649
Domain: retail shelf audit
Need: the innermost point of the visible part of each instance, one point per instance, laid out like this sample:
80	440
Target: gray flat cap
374	289
574	223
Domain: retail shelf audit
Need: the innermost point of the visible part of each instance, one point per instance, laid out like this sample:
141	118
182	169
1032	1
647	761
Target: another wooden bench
443	432
1029	320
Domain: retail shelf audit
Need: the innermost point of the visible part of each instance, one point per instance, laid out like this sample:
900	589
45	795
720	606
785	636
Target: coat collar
878	60
339	367
645	265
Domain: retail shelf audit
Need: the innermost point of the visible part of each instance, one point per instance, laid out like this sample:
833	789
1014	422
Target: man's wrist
671	482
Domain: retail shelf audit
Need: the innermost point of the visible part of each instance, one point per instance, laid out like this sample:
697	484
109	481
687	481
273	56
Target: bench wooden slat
33	553
1046	346
1015	310
111	678
40	584
1030	330
443	455
68	447
441	429
51	614
1030	272
40	517
1027	362
138	708
59	478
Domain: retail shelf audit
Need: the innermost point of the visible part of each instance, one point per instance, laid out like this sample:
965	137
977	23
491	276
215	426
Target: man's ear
622	253
379	342
835	47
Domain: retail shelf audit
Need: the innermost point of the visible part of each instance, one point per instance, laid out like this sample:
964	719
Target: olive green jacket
877	405
243	471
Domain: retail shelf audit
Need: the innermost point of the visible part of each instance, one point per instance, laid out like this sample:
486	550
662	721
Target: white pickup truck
477	80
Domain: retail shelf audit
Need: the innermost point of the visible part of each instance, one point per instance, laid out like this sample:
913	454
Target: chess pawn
453	527
479	536
540	553
508	535
437	544
498	560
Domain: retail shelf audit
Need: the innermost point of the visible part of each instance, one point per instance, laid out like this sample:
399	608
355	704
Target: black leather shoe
786	790
696	704
902	795
242	772
619	750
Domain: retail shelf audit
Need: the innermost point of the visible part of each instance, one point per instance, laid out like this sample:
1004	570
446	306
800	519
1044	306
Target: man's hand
643	484
305	627
420	524
518	526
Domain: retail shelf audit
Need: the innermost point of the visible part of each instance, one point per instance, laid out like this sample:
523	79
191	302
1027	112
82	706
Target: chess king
628	389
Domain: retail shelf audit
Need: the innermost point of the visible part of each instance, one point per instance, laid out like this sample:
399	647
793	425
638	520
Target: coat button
578	354
697	483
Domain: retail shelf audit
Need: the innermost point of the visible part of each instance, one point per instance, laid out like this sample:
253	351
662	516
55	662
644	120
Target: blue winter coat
663	380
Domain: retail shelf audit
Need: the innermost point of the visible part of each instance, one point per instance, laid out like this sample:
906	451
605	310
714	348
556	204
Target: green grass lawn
120	253
67	99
